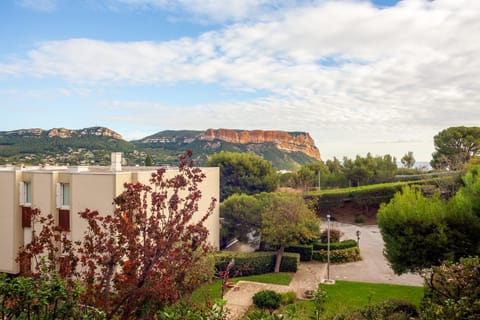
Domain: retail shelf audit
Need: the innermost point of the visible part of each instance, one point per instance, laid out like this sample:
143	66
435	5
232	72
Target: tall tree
288	220
408	160
413	229
454	146
242	216
148	161
243	173
420	232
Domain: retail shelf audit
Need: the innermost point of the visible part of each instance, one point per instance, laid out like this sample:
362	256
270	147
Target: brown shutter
26	217
64	220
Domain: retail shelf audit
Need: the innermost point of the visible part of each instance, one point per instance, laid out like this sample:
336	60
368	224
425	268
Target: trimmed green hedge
252	263
371	195
345	244
305	251
338	256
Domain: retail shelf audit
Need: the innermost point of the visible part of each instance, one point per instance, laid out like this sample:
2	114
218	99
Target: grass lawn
213	291
346	296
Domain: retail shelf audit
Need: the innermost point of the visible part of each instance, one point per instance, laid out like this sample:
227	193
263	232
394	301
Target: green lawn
342	297
213	291
346	296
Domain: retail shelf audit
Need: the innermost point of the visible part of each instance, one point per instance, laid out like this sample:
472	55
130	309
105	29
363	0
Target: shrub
305	251
338	256
288	298
387	310
255	262
267	299
335	235
452	291
345	244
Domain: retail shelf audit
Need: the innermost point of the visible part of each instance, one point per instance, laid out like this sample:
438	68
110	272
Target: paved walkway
307	277
239	298
373	268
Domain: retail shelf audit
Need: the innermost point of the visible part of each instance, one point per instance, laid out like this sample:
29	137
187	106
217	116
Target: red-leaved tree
149	252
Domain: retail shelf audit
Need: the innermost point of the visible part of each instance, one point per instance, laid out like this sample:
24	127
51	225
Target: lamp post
358	238
328	247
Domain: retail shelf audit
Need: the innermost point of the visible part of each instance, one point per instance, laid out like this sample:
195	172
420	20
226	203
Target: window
25	196
63	195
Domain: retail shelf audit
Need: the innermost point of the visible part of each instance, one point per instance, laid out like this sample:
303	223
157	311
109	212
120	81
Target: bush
267	299
335	235
387	310
305	251
253	263
452	291
345	244
288	298
390	309
338	256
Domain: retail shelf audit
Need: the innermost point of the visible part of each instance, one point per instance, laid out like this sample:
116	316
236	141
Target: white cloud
38	5
335	68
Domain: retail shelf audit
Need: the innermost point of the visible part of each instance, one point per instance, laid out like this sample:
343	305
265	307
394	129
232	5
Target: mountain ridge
285	150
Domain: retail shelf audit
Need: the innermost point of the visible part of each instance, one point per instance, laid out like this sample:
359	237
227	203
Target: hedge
371	195
345	244
252	263
338	256
305	251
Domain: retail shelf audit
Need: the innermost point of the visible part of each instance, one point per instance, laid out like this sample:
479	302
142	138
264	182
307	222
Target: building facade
65	191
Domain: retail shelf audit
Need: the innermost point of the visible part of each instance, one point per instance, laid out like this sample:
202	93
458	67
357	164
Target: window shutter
59	195
26	217
21	193
64	220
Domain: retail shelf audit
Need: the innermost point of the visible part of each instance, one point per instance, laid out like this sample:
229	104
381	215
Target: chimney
116	162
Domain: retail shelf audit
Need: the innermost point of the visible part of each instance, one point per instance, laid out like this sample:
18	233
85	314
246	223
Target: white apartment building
65	191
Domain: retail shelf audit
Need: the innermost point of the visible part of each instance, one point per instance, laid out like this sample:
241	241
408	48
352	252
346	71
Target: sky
378	76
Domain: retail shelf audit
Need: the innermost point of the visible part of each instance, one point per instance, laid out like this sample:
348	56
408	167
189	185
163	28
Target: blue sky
360	76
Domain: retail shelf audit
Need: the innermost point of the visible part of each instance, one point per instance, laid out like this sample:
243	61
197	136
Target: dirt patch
352	213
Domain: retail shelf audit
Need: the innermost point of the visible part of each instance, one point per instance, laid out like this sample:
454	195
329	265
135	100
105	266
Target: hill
89	146
61	146
285	150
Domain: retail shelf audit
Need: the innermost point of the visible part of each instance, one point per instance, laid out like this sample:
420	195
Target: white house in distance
65	191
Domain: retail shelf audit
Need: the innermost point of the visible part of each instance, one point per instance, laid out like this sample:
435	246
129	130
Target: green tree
288	220
308	175
413	228
243	173
463	217
242	216
454	146
148	161
408	160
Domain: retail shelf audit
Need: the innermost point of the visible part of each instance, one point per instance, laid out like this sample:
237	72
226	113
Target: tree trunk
279	257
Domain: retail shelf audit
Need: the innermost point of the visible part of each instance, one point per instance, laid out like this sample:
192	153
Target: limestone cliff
66	133
286	141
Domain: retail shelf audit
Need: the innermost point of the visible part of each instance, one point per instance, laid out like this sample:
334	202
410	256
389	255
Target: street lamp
328	247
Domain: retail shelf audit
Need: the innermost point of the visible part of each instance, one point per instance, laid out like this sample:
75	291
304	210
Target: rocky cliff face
67	133
290	142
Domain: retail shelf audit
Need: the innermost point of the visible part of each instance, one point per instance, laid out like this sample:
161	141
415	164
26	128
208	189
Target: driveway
374	267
